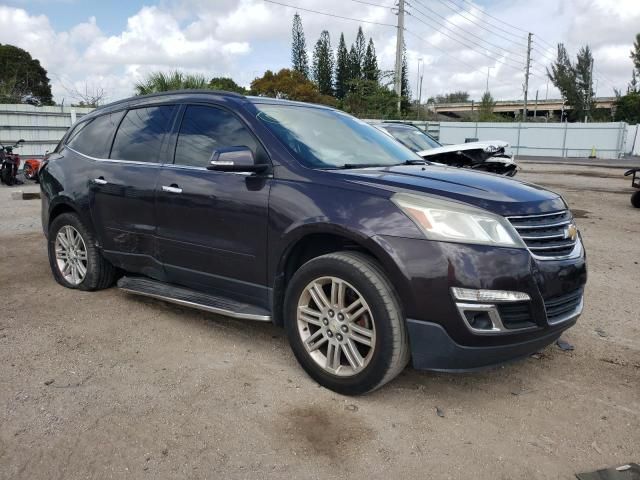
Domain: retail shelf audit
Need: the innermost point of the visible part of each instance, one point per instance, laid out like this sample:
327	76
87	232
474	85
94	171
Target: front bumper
433	349
440	337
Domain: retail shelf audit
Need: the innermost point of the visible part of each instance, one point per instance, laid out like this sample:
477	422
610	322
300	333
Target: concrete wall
40	127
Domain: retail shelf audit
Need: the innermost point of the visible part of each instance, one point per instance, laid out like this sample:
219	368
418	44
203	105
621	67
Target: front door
212	226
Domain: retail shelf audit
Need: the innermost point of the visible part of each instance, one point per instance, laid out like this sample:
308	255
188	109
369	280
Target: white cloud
243	38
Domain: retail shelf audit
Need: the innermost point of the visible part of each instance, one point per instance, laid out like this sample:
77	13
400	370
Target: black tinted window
94	137
141	132
205	129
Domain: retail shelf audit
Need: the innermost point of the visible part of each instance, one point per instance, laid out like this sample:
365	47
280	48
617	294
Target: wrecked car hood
487	145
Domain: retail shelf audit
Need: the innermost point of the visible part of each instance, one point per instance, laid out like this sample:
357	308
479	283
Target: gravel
108	385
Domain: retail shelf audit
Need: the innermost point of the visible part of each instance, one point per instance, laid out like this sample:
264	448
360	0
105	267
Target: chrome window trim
111	160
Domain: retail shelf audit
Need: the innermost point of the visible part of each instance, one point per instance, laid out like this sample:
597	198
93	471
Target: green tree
227	84
289	85
485	109
584	83
628	108
299	57
370	64
633	84
22	78
459	96
367	98
342	69
323	64
355	67
635	53
165	82
405	91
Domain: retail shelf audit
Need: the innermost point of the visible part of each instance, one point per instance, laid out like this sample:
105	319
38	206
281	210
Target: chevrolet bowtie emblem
571	232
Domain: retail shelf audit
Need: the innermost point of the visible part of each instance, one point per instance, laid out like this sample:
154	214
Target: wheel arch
309	242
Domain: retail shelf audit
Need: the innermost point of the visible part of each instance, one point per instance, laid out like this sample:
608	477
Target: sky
459	44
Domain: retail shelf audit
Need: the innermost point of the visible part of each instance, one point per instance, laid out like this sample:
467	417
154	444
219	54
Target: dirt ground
108	385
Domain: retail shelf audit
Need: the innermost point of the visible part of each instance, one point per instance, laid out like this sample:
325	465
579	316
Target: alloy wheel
336	326
71	255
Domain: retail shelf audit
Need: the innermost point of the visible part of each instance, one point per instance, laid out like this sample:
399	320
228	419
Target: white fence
43	127
567	140
40	127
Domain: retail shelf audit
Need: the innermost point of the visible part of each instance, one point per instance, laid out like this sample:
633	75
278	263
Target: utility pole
399	47
535	111
526	76
418	88
588	93
488	68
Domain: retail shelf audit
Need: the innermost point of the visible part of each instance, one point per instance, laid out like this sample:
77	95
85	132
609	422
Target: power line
468	46
329	14
479	25
465	31
387	7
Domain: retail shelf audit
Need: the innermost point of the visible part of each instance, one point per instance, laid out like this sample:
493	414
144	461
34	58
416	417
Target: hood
496	144
496	193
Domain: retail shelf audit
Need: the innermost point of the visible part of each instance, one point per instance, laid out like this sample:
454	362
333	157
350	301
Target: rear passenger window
205	129
93	137
141	133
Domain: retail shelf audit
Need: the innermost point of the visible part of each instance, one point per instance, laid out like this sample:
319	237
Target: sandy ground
108	385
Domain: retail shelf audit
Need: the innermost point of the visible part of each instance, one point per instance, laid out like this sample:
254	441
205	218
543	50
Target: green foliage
323	64
628	108
635	53
633	84
370	64
289	85
342	69
299	57
165	82
459	96
574	81
355	67
367	98
405	91
485	108
22	78
227	84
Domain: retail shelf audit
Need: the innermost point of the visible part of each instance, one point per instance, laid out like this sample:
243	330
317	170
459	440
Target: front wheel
345	323
635	199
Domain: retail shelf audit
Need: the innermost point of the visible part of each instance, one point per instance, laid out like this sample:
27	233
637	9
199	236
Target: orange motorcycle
31	168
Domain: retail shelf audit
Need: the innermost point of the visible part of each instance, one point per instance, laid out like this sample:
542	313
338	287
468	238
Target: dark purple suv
306	217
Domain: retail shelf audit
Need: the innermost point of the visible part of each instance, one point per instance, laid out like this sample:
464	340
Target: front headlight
455	222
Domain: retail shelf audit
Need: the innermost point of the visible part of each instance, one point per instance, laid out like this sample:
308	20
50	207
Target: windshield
412	138
323	138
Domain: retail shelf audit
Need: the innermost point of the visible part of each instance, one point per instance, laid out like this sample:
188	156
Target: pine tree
405	91
323	64
360	47
485	109
342	69
635	53
299	57
584	83
370	63
354	66
633	84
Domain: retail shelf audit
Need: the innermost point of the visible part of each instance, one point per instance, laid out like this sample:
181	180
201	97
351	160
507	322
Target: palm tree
164	82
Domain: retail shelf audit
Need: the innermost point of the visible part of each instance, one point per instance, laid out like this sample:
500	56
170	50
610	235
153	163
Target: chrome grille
546	235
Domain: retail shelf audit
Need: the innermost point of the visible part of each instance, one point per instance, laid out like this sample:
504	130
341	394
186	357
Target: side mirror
235	159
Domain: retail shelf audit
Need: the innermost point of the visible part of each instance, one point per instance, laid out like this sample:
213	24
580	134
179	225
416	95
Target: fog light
479	320
471	295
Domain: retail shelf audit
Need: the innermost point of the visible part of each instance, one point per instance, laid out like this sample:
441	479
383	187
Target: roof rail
173	92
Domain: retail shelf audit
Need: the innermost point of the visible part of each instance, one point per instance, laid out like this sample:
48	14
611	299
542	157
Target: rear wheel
28	172
635	199
75	260
345	324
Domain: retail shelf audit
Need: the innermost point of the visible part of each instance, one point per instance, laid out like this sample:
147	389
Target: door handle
172	189
100	181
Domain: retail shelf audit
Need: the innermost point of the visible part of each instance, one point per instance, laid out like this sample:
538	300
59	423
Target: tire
99	273
635	199
28	172
371	366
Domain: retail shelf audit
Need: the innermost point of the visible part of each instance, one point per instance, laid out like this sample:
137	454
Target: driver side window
205	129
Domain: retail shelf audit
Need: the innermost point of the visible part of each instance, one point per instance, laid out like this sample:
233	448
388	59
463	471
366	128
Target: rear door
212	225
123	203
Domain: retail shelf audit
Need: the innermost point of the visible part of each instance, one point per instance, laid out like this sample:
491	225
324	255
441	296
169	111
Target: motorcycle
635	183
9	163
31	169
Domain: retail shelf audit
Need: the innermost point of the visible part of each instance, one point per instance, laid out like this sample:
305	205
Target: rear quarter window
93	137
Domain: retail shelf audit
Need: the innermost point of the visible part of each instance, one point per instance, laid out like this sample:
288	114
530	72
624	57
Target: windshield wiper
414	162
363	165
